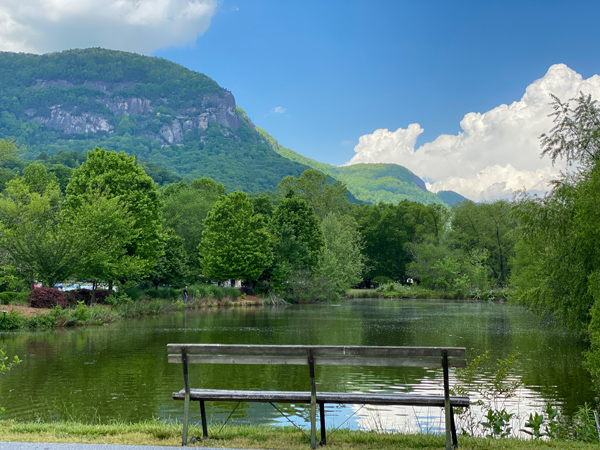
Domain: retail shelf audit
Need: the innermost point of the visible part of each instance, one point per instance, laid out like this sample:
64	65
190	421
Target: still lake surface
120	371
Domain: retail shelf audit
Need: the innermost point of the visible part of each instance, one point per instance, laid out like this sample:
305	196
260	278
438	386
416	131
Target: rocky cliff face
220	109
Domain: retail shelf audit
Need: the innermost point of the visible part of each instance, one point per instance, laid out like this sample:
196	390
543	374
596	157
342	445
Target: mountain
372	183
179	123
149	107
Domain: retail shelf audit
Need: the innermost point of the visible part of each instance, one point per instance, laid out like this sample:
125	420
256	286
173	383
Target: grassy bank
169	434
395	290
126	304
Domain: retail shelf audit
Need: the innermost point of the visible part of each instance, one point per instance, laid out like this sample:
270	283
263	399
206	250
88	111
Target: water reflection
120	371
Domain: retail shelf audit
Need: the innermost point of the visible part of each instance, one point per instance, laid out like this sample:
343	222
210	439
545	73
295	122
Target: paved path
48	446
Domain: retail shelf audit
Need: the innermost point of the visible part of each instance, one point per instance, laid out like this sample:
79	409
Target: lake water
120	371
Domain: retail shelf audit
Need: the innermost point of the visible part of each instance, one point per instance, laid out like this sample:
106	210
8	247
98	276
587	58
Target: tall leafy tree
185	208
386	230
105	228
341	260
115	175
297	237
488	229
32	234
235	241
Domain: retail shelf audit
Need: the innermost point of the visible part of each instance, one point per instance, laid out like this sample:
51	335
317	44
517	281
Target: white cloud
496	152
142	26
278	110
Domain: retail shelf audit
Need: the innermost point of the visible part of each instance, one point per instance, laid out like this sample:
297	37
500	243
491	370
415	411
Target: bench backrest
322	355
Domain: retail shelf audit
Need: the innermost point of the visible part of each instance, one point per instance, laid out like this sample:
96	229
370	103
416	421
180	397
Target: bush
8	297
88	296
378	281
47	297
12	321
231	292
40	321
133	292
165	293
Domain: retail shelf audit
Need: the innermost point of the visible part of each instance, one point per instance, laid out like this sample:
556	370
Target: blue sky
342	69
362	81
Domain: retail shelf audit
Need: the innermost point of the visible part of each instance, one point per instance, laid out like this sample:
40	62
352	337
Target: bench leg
447	406
203	414
322	418
454	438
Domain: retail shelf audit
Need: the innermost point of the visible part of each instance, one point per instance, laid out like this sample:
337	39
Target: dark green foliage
297	238
387	230
47	297
235	241
108	175
8	297
486	229
12	321
134	76
88	296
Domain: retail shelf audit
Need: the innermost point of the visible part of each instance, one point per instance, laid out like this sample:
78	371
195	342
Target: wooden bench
313	356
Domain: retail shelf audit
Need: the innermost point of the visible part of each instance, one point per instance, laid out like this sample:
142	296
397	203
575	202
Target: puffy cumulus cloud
142	26
495	154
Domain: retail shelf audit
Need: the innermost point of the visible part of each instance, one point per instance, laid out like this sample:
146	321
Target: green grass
169	434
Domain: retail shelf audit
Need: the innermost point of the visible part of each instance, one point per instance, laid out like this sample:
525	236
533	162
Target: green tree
557	255
32	234
387	231
488	229
101	218
171	267
8	150
341	259
235	241
116	175
185	208
297	238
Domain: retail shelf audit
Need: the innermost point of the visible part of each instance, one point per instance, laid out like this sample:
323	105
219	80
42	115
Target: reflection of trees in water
120	371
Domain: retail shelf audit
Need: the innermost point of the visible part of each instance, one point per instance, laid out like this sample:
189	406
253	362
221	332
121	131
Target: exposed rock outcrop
70	124
217	108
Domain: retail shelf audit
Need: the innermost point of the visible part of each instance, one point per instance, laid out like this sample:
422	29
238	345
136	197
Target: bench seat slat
322	397
319	360
317	350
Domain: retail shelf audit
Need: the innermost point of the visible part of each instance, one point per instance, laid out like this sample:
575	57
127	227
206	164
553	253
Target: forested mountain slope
149	107
373	183
166	115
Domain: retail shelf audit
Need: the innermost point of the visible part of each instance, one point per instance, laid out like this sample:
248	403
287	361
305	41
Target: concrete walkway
48	446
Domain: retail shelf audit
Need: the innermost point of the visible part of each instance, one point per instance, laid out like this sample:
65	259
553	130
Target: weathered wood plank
318	350
322	397
319	360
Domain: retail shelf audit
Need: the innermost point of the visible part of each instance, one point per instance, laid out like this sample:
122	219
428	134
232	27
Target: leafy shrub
46	297
378	281
40	321
88	296
8	297
12	321
303	287
166	293
133	292
231	292
117	298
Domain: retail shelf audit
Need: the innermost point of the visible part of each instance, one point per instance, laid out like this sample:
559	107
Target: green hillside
149	107
372	183
178	122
